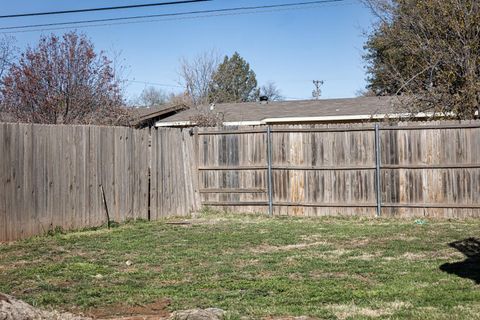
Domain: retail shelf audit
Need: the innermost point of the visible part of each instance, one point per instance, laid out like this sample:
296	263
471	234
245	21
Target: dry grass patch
299	246
347	311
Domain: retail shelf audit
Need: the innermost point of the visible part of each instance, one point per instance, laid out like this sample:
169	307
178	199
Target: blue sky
288	47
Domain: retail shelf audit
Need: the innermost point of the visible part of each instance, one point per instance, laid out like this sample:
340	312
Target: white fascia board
317	119
356	117
244	123
174	124
189	123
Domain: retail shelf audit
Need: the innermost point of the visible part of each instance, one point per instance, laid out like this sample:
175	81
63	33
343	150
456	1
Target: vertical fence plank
378	160
269	171
154	174
3	180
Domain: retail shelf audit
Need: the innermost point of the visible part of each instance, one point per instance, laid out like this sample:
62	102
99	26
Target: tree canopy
233	81
63	80
150	97
428	50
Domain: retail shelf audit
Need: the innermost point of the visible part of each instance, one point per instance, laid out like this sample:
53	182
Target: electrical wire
133	6
175	16
155	84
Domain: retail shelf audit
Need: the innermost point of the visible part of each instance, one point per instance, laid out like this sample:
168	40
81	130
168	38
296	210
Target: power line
155	84
177	14
177	18
133	6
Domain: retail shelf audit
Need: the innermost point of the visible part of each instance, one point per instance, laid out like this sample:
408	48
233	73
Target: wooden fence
59	176
415	169
69	176
174	190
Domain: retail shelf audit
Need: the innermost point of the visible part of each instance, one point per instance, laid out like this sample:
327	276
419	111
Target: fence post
269	172
377	170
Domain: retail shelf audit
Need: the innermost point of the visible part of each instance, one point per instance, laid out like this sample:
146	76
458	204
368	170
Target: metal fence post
269	172
377	169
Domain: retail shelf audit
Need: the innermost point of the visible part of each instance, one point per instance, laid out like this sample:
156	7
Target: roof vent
263	99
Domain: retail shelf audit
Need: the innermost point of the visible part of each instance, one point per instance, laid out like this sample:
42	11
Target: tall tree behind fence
415	169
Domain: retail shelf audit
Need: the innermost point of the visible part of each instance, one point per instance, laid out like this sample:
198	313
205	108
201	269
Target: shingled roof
144	116
256	113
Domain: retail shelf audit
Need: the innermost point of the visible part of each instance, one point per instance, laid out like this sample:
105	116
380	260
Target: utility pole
317	92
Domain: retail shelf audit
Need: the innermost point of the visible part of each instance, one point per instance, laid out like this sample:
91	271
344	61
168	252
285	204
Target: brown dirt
153	311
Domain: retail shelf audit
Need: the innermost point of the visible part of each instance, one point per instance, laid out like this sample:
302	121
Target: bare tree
382	9
7	54
197	74
150	97
180	99
317	91
63	80
429	52
271	91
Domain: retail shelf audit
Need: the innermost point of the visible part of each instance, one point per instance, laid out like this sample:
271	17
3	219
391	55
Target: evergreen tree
233	81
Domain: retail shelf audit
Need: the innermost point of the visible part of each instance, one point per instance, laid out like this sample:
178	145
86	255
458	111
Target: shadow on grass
470	267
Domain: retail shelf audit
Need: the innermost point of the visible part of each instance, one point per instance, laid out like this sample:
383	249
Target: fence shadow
470	267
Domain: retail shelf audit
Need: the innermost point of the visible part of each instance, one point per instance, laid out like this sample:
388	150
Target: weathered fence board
51	177
173	189
425	169
245	153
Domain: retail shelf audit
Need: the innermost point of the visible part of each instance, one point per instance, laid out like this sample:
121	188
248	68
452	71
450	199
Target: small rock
13	309
198	314
129	263
98	276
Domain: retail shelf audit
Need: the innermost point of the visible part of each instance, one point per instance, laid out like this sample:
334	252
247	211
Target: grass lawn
254	266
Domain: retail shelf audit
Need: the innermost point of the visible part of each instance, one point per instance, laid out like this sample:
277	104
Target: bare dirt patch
155	310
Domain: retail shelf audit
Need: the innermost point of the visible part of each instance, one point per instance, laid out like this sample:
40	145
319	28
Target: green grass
252	266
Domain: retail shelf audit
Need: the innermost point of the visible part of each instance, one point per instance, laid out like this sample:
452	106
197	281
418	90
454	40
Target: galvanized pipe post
269	171
377	170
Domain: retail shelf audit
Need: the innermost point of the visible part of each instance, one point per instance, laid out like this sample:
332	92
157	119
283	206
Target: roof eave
265	121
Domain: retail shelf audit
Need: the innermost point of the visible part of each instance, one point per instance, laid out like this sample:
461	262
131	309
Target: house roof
255	113
145	114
